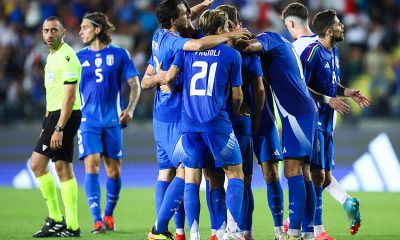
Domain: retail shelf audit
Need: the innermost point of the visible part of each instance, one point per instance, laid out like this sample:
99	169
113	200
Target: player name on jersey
209	53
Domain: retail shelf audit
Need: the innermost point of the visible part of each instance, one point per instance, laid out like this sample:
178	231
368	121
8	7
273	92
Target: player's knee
113	173
37	169
327	181
271	176
318	177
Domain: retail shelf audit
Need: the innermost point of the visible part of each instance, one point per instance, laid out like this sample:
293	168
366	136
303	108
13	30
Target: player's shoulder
227	50
311	52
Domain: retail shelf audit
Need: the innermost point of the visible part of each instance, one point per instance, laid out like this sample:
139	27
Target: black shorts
66	152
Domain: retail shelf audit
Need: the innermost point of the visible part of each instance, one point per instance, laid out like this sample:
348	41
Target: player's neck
327	43
58	47
303	32
97	45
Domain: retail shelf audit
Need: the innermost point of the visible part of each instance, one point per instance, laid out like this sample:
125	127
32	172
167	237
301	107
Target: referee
63	117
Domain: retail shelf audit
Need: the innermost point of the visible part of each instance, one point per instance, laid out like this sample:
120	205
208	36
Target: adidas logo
276	152
93	205
86	64
284	150
376	170
119	154
327	65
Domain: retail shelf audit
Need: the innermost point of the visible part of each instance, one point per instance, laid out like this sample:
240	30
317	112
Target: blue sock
179	216
93	195
234	197
113	187
172	200
191	202
318	206
249	220
297	200
159	192
309	209
243	212
208	201
275	202
218	207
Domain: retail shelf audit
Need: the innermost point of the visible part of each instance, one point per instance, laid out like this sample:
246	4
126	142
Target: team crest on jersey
98	62
110	59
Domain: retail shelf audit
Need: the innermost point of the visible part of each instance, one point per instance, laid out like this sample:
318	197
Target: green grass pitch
23	212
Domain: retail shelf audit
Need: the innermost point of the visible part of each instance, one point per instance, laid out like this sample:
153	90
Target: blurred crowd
370	54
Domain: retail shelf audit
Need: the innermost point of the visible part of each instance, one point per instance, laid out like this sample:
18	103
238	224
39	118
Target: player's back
102	75
165	45
302	42
282	68
208	76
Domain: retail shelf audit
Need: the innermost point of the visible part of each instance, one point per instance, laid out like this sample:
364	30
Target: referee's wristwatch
58	129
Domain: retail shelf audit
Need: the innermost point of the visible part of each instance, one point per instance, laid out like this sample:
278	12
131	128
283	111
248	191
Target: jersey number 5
202	76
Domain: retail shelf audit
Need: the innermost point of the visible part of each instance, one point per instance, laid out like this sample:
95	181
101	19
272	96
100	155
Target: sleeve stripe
73	82
311	52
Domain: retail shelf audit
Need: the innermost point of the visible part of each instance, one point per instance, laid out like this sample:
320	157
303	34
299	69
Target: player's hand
207	3
165	88
339	104
160	76
125	117
362	101
56	140
240	33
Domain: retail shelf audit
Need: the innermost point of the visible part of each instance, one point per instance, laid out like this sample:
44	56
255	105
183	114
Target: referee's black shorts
66	152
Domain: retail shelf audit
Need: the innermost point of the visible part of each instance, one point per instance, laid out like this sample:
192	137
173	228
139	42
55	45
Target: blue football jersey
207	77
165	45
282	68
251	68
100	88
322	72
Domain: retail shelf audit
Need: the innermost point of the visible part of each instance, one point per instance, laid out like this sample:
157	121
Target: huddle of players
225	106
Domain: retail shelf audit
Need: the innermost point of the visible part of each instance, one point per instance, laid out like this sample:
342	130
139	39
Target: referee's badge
110	59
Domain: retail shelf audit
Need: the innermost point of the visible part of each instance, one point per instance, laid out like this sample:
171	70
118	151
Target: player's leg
215	198
309	209
90	148
350	204
65	171
113	155
267	149
319	166
297	139
226	152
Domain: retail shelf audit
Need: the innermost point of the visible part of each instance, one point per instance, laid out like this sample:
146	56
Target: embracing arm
198	9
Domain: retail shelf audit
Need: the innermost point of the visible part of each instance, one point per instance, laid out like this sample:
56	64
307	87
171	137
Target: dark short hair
55	18
295	10
322	21
233	13
168	10
211	20
99	19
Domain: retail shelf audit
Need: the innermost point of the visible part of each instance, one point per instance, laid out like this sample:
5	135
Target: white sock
213	232
318	229
180	231
194	235
294	232
336	190
278	229
308	235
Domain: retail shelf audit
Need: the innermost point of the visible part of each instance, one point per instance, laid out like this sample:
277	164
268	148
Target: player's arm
237	99
211	41
354	94
259	99
127	114
198	9
252	45
171	76
66	110
337	103
151	78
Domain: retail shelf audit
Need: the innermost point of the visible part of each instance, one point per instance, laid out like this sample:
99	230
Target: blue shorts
242	129
323	151
223	147
298	135
267	146
104	140
166	136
